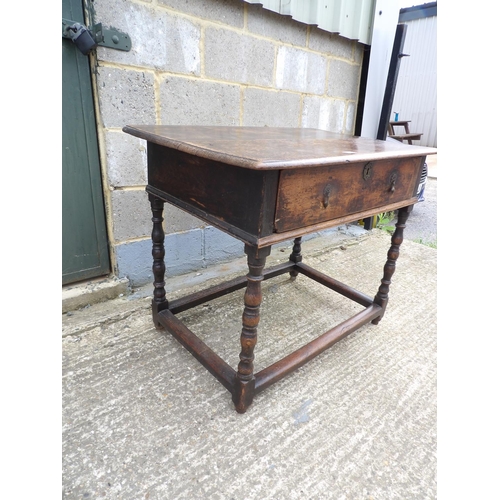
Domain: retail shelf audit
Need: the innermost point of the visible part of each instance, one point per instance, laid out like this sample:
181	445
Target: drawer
310	196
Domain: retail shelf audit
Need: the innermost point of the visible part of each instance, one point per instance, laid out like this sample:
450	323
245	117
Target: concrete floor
143	420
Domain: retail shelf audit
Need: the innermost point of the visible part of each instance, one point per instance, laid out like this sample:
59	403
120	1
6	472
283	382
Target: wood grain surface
273	148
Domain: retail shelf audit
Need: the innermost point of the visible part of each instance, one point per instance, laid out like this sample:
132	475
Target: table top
267	148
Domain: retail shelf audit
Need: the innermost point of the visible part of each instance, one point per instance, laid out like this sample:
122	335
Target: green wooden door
84	239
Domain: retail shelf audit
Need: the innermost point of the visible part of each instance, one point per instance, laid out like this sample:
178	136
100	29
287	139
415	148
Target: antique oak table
263	186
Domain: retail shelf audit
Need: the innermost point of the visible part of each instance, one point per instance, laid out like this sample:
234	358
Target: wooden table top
268	148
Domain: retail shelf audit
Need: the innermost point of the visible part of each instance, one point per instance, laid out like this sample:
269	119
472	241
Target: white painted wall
386	16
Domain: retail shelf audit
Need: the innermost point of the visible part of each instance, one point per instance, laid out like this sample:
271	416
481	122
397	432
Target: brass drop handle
393	179
326	195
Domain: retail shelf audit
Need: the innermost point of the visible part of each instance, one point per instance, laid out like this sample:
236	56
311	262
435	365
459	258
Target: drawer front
311	196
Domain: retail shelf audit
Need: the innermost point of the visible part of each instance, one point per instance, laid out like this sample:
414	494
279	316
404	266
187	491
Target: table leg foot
382	296
244	391
296	256
244	387
159	302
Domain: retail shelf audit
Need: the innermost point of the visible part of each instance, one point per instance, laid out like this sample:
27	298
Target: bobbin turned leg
244	386
296	256
159	302
382	296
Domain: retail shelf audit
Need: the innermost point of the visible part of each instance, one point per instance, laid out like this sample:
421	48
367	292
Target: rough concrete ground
142	419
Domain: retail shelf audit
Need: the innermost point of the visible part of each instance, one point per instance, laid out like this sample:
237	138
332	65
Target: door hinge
87	38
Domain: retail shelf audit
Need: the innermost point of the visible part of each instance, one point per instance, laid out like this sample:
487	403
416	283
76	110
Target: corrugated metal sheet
415	98
351	19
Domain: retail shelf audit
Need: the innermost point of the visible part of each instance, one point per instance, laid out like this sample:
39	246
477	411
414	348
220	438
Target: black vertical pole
362	90
390	90
392	79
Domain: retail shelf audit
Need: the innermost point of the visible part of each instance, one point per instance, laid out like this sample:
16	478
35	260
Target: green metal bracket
104	37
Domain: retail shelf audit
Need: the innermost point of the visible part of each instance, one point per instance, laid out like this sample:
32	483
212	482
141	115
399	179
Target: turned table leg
159	302
382	296
296	256
244	386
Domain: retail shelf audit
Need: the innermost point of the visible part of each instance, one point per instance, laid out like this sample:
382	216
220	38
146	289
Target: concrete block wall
206	62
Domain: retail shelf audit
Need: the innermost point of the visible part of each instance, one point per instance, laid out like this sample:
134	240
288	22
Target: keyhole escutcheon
367	171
